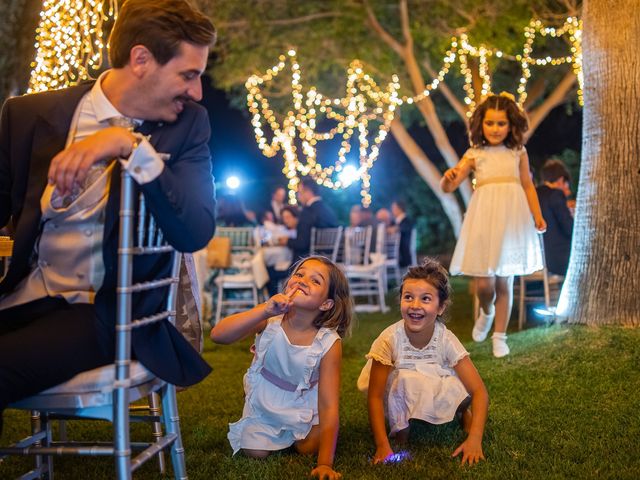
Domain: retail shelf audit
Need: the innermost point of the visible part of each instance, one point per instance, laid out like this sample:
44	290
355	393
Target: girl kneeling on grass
419	370
292	385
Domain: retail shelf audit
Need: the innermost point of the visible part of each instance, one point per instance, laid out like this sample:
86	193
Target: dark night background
235	152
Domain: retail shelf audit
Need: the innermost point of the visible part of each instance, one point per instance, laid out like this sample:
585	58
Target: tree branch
280	22
443	88
382	33
553	100
406	27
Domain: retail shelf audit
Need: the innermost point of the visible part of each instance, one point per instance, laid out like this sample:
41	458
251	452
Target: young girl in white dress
418	370
498	238
292	385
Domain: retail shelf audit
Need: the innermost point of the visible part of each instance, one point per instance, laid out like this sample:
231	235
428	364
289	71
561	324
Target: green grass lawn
564	404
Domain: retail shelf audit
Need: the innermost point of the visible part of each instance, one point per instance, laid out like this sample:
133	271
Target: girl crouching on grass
419	370
292	385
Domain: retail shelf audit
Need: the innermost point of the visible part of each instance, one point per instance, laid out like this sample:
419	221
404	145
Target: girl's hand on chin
278	304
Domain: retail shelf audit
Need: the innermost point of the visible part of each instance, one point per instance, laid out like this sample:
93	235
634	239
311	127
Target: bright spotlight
348	175
233	182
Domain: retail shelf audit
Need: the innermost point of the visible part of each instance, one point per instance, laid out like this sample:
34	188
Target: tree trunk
429	173
603	280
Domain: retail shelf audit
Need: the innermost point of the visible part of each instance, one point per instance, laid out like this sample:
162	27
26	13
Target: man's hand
72	164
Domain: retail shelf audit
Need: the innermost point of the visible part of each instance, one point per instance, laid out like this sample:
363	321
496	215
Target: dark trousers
275	277
46	342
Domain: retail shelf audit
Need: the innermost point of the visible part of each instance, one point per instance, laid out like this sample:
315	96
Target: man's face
279	195
303	195
166	88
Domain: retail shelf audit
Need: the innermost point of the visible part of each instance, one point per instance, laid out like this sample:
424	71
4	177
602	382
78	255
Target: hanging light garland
365	103
69	42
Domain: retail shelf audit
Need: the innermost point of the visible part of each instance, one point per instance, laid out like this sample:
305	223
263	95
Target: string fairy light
69	42
366	104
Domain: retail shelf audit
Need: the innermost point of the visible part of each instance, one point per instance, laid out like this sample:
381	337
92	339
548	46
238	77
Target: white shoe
482	325
500	347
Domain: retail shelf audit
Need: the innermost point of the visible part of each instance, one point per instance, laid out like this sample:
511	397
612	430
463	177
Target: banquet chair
239	277
392	255
551	284
365	271
326	242
106	393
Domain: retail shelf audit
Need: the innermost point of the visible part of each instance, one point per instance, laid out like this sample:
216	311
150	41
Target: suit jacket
557	238
404	256
318	215
33	129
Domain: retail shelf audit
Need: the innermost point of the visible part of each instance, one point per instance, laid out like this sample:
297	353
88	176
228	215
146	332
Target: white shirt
70	263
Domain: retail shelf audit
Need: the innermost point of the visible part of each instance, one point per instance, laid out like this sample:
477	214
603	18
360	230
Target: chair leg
381	300
172	425
154	409
219	304
521	304
122	443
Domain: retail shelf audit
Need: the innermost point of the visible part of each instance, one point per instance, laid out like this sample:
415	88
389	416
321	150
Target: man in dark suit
404	225
59	190
552	195
315	213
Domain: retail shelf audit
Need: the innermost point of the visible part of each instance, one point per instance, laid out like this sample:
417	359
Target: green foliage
564	404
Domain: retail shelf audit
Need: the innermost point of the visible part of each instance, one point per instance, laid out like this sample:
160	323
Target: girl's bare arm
375	402
453	177
530	192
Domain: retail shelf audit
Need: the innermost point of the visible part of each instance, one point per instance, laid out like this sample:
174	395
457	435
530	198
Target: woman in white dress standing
498	238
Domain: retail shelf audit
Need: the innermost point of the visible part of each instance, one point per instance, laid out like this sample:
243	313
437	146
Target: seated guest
383	215
354	216
315	213
290	215
57	301
231	212
278	201
404	225
552	195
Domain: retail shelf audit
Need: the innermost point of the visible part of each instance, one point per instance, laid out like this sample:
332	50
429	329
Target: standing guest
498	238
60	163
553	195
278	197
315	213
404	225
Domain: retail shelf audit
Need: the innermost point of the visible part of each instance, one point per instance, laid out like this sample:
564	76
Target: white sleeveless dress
281	390
498	235
423	384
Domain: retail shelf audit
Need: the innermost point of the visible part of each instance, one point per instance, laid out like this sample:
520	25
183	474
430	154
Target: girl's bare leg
486	292
257	454
504	302
311	444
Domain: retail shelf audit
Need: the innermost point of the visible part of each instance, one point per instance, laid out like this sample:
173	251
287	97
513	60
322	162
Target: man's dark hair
401	204
310	184
554	169
159	25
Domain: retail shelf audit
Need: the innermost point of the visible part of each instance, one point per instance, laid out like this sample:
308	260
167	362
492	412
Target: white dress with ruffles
281	390
498	235
423	385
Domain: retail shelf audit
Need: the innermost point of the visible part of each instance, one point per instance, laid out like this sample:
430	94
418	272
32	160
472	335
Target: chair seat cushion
87	389
235	278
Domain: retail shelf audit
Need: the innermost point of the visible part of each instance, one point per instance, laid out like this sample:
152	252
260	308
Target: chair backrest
139	235
325	241
243	239
413	246
392	247
381	238
357	245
